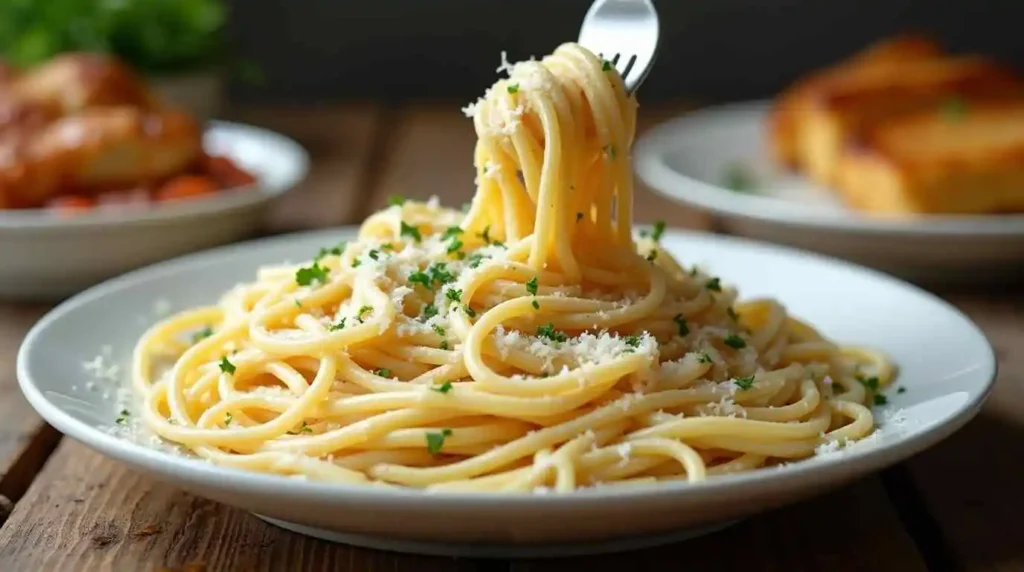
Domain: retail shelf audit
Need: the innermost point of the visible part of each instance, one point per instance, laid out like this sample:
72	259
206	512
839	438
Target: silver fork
624	32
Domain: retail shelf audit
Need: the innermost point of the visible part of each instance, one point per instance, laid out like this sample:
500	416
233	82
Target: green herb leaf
704	358
310	274
419	277
475	259
444	344
486	234
455	246
383	372
607	65
227	418
226	366
453	295
714	284
548	331
632	341
396	200
435	441
536	305
901	389
880	399
609	151
513	88
339	325
469	311
374	254
451	232
429	311
202	334
531	285
439	273
652	255
438	330
363	310
122	418
410	231
443	388
305	428
356	262
659	230
869	382
681	324
324	252
744	382
734	341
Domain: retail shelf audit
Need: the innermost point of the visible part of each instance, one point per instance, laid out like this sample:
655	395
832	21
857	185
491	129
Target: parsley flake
659	230
122	418
606	66
901	389
419	277
310	274
227	418
374	254
609	151
548	331
429	311
410	231
339	325
438	330
455	246
880	399
652	255
869	382
469	311
714	284
744	383
453	295
632	341
734	341
513	88
363	310
703	357
396	200
531	285
324	252
435	441
226	366
305	428
439	273
681	324
536	305
451	232
486	234
202	334
383	372
443	388
475	259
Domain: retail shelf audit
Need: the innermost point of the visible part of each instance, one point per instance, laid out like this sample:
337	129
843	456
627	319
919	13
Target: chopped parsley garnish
607	65
202	334
869	382
451	232
901	389
880	399
453	295
309	274
383	372
419	277
531	285
548	331
429	311
469	311
714	284
681	324
734	341
226	366
704	358
444	344
122	418
374	254
339	325
439	273
336	251
435	441
658	231
396	200
356	262
486	234
744	382
227	418
954	108
305	428
738	178
632	341
732	314
579	217
387	247
410	231
443	388
455	246
475	259
363	310
438	330
536	305
652	255
298	303
513	88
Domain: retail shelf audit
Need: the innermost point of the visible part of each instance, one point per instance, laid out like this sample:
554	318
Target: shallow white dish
48	257
946	381
688	158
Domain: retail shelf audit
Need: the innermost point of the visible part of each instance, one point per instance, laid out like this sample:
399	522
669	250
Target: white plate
687	159
47	257
946	364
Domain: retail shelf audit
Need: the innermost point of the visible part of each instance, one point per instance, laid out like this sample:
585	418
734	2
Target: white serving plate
686	159
946	365
44	257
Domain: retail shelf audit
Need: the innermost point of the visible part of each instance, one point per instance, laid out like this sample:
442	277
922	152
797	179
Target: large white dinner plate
44	256
689	159
946	366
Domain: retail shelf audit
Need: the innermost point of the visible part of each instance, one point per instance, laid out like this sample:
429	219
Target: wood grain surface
955	507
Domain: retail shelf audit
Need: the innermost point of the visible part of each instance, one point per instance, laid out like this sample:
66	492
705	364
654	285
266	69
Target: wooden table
64	507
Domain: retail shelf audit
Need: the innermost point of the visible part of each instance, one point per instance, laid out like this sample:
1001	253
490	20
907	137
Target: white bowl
46	257
685	159
946	366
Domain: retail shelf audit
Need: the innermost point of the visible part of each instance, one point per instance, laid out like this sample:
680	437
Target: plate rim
650	166
225	201
196	471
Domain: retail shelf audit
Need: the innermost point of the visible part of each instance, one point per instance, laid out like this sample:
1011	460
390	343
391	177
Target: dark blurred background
711	50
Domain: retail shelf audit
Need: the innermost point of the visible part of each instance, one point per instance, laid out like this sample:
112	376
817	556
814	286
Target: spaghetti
532	343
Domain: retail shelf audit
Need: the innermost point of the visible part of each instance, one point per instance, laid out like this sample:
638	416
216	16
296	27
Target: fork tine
629	66
615	60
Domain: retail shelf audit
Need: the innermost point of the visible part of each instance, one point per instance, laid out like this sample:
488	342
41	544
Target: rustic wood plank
341	141
85	512
431	154
854	528
25	441
970	484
